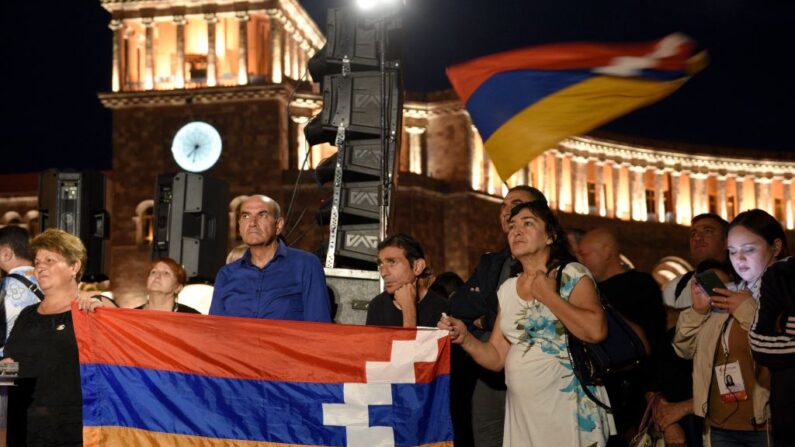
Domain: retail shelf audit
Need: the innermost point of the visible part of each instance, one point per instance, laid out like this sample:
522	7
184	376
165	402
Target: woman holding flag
45	409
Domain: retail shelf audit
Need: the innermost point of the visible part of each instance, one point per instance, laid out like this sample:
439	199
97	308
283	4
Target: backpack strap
559	276
28	283
594	399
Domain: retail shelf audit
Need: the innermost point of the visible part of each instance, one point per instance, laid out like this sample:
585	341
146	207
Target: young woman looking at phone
736	409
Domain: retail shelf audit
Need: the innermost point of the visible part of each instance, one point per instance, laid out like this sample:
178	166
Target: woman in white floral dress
545	403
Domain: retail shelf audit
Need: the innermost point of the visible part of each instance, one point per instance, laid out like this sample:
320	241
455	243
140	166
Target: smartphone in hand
708	280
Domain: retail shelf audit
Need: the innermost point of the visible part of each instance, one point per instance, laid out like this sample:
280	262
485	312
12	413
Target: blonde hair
65	244
236	253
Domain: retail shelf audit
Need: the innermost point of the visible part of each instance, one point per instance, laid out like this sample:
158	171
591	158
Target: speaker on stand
191	223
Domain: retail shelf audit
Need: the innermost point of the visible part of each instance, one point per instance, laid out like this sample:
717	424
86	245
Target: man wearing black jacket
478	395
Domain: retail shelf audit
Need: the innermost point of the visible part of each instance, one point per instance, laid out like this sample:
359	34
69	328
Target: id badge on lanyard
730	382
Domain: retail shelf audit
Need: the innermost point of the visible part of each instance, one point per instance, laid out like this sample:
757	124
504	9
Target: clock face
196	146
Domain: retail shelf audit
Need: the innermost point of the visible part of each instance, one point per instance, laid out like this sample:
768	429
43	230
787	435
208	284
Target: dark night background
55	56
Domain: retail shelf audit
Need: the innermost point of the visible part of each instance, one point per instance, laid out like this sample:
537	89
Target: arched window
144	222
669	268
11	218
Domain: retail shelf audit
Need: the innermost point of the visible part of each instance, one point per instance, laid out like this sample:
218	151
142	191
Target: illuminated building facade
238	66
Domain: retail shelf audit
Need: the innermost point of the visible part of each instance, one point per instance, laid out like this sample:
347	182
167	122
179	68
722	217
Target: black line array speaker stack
360	74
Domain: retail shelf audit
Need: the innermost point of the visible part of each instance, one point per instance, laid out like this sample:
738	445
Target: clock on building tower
196	146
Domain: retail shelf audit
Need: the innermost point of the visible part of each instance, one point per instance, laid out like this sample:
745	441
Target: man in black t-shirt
637	296
406	302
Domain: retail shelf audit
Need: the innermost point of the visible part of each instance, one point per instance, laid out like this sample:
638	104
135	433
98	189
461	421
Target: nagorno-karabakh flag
525	101
172	379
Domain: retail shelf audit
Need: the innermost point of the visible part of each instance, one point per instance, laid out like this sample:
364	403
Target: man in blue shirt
270	280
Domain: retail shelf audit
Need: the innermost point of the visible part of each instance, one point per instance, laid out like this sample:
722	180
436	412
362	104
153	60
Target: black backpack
592	363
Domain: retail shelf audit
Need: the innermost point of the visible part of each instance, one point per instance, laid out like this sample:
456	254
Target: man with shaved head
270	280
638	298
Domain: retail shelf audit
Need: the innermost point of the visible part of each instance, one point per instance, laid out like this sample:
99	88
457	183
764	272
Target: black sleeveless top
46	406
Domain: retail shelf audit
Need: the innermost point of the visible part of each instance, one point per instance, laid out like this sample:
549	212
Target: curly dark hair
559	250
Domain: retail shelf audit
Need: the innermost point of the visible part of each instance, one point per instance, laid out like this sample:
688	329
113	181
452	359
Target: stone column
415	149
693	177
580	185
637	188
296	73
287	59
541	163
242	50
558	158
212	58
614	175
599	185
659	195
302	150
275	45
721	181
690	192
305	49
733	194
566	183
700	199
179	75
750	189
117	26
765	196
789	218
624	198
675	185
300	56
149	57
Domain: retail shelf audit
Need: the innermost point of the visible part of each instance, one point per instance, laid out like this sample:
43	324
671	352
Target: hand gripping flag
525	101
171	379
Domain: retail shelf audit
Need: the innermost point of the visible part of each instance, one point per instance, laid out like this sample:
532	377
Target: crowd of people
720	355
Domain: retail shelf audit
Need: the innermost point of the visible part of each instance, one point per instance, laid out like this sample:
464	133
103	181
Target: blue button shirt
292	286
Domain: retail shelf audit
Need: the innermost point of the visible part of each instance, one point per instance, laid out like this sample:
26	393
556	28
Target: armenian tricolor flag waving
525	101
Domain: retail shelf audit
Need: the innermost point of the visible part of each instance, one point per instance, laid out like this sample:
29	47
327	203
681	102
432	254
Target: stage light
371	5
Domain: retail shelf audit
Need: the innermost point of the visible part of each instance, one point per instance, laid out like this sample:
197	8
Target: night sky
56	56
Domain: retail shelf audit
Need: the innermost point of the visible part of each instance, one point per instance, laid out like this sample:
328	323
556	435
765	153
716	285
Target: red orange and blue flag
525	101
171	379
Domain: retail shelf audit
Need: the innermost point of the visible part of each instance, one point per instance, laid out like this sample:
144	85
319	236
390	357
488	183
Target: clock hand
193	152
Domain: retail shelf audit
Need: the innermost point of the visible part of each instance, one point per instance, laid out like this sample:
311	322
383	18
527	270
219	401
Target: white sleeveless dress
545	404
